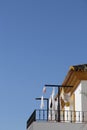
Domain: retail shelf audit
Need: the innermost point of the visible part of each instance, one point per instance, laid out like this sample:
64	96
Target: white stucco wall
57	126
84	95
84	98
81	96
78	98
81	100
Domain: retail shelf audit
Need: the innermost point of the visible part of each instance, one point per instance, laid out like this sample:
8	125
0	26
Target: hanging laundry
44	89
42	103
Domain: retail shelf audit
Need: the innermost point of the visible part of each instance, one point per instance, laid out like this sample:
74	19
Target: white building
73	101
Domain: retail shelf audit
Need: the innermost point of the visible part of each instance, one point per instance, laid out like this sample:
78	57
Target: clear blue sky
39	41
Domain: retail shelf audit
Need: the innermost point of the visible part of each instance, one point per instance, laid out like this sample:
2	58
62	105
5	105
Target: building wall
81	96
78	98
84	95
84	98
81	100
57	126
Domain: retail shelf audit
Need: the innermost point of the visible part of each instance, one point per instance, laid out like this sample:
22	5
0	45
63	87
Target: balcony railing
51	115
31	119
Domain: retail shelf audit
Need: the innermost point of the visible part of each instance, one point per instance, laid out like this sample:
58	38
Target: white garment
52	106
42	103
65	96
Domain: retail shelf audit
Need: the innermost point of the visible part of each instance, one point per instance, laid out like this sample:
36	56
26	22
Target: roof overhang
74	77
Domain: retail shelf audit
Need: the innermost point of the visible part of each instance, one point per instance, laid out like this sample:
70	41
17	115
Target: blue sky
39	41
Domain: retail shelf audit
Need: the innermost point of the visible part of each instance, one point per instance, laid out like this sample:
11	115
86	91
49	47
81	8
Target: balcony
52	116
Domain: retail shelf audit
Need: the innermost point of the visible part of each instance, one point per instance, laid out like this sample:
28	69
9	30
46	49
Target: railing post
47	108
74	115
67	115
58	104
79	116
35	115
43	114
63	115
71	116
82	116
39	114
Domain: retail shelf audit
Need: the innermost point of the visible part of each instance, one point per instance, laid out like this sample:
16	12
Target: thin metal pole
58	104
47	108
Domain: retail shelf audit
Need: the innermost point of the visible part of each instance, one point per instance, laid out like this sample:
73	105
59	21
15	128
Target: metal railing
52	115
31	119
